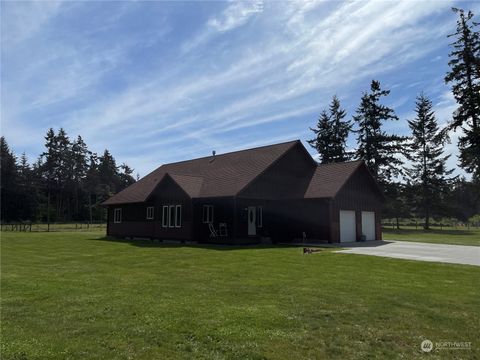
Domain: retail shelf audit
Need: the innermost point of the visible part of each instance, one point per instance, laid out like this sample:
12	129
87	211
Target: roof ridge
231	152
341	163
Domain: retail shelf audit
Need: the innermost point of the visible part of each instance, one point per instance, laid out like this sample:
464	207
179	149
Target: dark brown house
277	192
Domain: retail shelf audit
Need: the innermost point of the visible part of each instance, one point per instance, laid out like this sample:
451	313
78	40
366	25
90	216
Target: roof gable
328	179
212	176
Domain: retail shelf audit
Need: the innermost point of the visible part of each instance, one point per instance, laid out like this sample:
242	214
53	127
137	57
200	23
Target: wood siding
358	194
288	178
287	220
223	212
134	216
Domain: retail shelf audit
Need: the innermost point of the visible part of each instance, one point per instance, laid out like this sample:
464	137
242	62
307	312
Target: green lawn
447	236
78	296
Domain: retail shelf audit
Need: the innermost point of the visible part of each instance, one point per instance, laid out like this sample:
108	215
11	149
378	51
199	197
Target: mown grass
78	296
446	236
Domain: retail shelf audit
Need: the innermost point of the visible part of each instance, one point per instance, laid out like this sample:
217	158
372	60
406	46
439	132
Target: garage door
368	224
347	226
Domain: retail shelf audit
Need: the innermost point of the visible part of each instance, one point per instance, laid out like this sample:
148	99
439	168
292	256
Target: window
117	216
150	213
259	216
207	214
165	216
171	216
178	216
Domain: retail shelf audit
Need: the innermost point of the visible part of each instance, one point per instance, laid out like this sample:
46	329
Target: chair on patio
213	232
222	229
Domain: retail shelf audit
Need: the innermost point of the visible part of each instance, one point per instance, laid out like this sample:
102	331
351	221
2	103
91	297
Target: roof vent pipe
213	156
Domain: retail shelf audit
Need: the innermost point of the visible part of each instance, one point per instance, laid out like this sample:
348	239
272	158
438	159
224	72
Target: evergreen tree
109	182
126	178
464	75
28	200
397	205
428	173
8	184
464	198
67	182
80	155
331	134
378	149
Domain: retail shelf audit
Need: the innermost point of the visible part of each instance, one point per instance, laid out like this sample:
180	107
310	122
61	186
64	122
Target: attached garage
347	226
368	225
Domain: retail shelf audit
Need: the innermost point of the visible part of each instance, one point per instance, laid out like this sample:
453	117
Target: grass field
79	296
446	236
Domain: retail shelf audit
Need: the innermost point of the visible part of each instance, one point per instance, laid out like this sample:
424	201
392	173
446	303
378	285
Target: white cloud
235	15
24	19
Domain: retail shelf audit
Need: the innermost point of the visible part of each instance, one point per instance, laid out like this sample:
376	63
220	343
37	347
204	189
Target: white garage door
347	226
368	225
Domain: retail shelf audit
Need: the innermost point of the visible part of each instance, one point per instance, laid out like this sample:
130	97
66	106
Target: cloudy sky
157	82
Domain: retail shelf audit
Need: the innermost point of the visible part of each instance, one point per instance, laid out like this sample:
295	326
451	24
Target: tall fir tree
378	149
464	77
26	186
8	184
428	173
79	162
331	134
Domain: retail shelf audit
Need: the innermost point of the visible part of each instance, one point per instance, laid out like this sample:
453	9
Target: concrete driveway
455	254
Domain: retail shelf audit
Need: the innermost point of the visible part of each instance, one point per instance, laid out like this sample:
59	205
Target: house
277	192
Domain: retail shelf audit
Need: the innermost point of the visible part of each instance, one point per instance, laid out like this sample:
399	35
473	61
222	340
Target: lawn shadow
147	243
358	244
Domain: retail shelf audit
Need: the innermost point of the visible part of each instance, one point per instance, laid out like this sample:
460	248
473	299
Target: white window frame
171	219
150	212
178	216
117	215
260	216
209	212
165	214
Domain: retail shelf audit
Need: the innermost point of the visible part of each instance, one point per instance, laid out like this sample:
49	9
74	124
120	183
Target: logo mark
426	346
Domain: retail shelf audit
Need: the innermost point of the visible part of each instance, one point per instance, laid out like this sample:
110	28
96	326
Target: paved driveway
456	254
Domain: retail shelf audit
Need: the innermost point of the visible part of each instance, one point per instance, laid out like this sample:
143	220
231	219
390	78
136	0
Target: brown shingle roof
328	179
222	175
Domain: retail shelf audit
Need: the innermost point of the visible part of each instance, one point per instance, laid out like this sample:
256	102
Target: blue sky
157	82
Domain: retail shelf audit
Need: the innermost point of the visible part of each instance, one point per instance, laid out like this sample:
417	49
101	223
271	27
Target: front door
252	226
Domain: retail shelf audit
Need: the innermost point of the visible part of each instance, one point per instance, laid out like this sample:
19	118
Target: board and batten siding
287	178
358	194
134	216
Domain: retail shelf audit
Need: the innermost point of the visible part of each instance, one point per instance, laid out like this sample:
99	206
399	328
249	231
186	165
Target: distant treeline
67	182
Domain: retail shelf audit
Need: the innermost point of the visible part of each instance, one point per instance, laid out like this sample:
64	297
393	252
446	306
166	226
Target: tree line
67	182
412	170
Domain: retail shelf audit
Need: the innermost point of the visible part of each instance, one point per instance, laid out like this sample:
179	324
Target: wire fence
39	227
418	225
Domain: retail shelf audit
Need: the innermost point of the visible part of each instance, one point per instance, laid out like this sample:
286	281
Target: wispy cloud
21	20
236	14
211	86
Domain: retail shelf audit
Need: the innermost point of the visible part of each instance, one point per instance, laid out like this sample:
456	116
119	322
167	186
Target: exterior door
252	226
347	226
368	225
